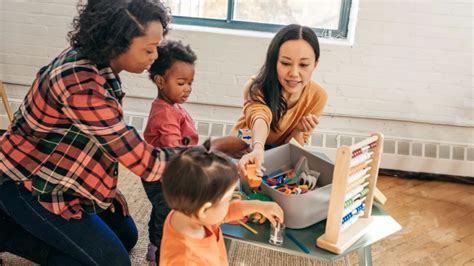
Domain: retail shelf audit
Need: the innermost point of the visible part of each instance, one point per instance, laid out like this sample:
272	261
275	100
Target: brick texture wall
409	70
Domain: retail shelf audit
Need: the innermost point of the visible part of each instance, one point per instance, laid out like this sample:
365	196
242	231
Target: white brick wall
410	65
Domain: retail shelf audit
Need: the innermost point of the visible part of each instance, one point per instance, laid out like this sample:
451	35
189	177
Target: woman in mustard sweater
282	102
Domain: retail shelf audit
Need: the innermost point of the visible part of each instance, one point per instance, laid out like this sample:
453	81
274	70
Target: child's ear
159	80
202	213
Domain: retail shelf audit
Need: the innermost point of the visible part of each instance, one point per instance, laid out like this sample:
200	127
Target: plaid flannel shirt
69	135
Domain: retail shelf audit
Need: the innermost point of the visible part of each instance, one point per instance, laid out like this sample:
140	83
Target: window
329	18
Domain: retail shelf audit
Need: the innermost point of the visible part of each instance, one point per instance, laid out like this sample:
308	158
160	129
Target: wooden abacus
353	185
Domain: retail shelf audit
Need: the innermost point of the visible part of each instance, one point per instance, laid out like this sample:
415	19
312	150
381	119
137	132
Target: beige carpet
240	253
243	254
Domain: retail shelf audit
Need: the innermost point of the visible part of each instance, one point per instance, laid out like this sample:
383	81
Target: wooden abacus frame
334	239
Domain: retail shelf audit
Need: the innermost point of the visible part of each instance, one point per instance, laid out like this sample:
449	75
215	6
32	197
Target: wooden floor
437	220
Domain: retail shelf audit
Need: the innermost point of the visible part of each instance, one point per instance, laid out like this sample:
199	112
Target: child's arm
271	210
230	145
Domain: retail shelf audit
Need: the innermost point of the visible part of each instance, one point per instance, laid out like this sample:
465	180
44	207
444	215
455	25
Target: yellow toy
252	178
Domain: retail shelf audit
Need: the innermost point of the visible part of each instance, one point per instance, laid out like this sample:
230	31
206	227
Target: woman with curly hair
59	158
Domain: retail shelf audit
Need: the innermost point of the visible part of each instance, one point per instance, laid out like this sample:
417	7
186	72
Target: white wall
409	72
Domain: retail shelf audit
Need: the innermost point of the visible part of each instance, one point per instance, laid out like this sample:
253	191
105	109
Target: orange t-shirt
179	249
312	101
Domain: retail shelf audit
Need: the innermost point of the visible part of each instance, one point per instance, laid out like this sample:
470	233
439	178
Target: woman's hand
307	123
230	145
255	157
120	198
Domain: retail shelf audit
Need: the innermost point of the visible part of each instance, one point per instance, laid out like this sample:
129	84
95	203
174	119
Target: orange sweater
312	101
179	249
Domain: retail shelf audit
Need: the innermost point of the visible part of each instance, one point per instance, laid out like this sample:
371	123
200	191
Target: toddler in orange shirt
198	186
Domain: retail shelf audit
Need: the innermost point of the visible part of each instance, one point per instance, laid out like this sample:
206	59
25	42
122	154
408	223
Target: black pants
158	214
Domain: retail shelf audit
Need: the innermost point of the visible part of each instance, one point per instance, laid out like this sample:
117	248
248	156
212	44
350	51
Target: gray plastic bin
305	209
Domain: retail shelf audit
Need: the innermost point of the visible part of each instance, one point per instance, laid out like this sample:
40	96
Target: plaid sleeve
100	116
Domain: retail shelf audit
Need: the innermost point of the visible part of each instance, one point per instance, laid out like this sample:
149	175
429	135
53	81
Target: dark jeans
49	239
158	214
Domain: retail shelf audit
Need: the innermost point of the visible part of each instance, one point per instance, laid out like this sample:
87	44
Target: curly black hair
168	53
104	29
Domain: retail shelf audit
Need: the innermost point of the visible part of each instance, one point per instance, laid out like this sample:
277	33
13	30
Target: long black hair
104	29
266	82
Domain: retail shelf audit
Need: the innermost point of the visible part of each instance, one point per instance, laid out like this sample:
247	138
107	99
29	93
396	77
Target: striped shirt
68	137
